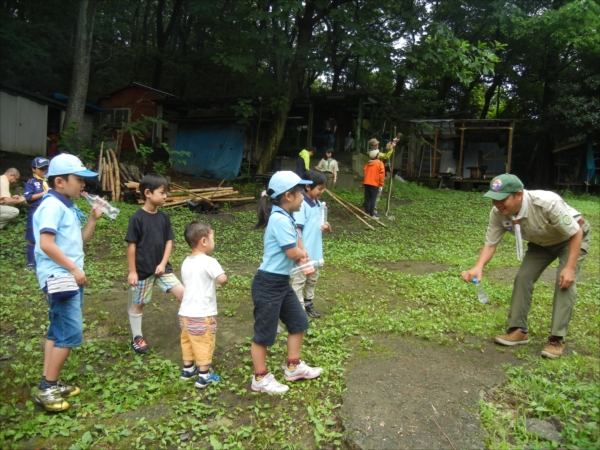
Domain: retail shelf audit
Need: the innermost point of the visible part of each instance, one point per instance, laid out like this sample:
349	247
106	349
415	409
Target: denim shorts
275	299
66	320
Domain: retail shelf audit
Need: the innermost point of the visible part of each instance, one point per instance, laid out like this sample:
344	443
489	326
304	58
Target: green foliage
72	142
133	401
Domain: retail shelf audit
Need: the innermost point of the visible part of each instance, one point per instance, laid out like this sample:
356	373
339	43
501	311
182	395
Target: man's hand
566	278
468	275
160	269
79	276
132	278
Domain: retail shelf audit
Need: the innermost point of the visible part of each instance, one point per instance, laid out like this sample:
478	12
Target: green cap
504	185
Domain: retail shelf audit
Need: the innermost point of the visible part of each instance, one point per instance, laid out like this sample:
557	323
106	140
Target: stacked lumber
114	175
179	195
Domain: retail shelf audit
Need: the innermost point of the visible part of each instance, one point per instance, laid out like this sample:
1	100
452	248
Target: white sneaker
269	385
301	372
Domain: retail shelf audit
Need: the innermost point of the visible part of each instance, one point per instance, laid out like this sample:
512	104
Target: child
374	179
35	189
59	240
150	241
329	166
198	311
272	294
308	223
303	161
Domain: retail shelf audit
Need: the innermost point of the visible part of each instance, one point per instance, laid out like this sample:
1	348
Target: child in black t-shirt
150	241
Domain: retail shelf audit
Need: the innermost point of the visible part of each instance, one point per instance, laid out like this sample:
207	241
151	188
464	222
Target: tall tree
81	64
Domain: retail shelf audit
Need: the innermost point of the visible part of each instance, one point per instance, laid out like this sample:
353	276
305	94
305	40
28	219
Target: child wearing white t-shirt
198	310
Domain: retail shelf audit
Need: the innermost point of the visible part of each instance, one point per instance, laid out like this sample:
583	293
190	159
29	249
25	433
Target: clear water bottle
323	213
481	294
102	205
307	268
132	294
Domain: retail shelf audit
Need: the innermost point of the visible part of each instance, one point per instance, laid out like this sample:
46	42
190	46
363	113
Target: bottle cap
323	203
475	280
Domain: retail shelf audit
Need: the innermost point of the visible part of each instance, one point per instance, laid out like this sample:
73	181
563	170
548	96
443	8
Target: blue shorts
66	320
275	299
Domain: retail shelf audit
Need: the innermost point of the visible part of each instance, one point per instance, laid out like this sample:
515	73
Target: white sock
135	320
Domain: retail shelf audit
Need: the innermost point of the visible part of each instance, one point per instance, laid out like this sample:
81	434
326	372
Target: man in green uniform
553	230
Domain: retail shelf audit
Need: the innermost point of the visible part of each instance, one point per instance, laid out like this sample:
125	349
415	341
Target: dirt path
403	386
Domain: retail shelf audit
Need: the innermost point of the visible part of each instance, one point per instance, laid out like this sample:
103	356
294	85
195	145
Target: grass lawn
133	401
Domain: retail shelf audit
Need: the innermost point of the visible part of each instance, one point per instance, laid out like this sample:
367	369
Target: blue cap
283	181
65	164
40	161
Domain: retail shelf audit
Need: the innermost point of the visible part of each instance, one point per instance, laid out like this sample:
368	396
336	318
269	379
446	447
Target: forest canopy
524	59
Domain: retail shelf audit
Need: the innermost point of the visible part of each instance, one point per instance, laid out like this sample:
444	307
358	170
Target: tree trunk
81	64
162	36
489	94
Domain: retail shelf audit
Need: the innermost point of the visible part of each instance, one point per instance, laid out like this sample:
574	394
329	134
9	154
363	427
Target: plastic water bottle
102	205
481	294
307	268
132	294
323	213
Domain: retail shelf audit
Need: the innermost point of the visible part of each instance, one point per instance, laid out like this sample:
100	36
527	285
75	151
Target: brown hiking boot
554	348
514	336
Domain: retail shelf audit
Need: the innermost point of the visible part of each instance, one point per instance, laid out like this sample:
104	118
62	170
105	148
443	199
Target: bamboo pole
220	184
352	212
100	160
339	199
105	178
111	178
117	174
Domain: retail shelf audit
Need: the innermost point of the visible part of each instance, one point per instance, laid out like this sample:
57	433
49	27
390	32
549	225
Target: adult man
554	230
7	212
330	129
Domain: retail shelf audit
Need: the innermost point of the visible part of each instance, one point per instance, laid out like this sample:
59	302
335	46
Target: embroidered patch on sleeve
508	225
567	220
553	206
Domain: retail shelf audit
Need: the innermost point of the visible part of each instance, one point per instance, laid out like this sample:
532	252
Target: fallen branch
444	434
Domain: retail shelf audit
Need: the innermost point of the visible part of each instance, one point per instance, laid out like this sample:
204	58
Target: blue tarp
591	166
216	150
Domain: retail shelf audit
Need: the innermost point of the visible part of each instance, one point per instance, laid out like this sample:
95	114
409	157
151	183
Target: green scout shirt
547	221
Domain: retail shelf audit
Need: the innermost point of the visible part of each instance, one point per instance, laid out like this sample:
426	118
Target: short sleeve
133	230
284	232
214	269
170	234
48	217
301	216
495	231
561	218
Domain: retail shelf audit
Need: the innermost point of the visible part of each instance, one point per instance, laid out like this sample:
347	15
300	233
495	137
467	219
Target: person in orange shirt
374	179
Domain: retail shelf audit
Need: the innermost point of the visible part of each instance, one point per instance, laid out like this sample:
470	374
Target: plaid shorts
165	282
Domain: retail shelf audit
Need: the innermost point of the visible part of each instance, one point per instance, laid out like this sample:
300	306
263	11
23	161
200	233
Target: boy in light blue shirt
59	240
308	223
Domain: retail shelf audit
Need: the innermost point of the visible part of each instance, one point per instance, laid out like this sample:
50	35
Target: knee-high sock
135	320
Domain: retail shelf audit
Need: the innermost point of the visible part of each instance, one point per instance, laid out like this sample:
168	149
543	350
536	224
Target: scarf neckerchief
517	223
43	180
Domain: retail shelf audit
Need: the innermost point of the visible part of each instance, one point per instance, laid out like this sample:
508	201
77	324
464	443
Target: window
115	118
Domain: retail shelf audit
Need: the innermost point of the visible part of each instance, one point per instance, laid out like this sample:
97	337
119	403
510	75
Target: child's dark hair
263	209
329	150
152	182
316	176
312	148
52	179
196	230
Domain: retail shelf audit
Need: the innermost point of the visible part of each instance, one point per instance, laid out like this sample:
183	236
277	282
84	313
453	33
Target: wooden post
409	159
460	158
100	161
510	140
434	152
309	133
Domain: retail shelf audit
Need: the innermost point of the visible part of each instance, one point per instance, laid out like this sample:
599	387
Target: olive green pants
536	260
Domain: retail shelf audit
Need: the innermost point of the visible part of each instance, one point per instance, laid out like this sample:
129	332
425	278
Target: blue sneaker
189	375
205	380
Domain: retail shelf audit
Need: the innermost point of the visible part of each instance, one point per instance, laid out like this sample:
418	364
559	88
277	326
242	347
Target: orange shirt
374	173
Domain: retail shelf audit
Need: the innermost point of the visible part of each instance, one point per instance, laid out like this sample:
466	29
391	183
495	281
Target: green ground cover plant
130	401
